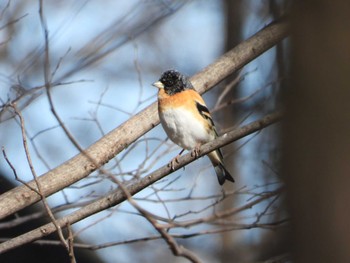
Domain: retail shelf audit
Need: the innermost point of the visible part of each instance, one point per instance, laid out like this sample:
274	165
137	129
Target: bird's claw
195	152
173	162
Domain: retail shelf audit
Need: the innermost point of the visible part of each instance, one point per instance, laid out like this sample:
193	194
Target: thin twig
226	213
177	250
71	244
38	185
227	89
15	172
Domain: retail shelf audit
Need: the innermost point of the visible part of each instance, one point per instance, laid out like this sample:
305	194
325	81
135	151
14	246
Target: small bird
186	119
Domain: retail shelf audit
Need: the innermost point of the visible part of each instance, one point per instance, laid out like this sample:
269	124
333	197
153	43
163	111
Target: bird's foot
173	162
195	152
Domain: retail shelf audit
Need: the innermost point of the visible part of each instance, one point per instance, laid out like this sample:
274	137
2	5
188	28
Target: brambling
186	119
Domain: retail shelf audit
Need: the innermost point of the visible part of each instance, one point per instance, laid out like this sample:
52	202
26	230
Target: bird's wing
204	112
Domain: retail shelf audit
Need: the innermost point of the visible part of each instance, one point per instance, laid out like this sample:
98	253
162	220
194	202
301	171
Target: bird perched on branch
186	119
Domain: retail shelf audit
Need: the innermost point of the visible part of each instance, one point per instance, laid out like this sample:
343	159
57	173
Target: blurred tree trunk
234	13
317	131
275	244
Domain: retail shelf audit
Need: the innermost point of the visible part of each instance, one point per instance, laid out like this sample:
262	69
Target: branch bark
136	185
117	140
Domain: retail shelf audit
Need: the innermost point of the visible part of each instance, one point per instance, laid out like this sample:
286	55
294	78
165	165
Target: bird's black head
174	82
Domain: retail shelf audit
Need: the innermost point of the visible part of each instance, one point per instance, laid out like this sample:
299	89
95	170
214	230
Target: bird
186	119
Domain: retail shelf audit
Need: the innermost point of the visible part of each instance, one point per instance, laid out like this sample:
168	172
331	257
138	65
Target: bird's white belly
183	130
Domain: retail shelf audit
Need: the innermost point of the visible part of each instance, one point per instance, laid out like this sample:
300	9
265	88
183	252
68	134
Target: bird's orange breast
185	98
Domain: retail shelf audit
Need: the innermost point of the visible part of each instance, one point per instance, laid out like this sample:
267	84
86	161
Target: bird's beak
158	85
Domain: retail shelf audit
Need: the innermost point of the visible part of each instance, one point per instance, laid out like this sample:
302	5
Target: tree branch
117	140
136	185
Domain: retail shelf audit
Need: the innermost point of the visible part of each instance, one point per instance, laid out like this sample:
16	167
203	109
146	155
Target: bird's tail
223	174
216	159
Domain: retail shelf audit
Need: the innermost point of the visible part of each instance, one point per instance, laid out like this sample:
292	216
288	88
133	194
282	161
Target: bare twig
13	21
31	166
71	244
227	89
15	172
38	186
177	250
226	213
231	227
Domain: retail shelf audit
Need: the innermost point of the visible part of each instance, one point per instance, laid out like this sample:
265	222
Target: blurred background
104	55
